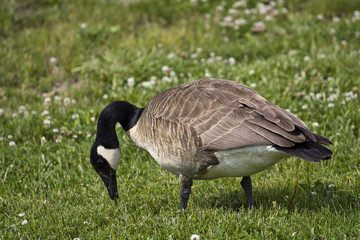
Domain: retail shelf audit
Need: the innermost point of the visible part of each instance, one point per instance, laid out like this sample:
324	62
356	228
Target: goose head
105	153
105	161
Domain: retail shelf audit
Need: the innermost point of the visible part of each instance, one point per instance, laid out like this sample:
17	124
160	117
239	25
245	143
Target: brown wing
225	115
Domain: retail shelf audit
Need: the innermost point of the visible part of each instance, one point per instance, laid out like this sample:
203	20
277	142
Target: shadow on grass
302	198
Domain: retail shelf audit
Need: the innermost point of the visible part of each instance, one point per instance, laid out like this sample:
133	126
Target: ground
62	62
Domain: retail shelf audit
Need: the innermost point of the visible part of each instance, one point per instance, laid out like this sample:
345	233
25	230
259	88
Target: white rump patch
110	155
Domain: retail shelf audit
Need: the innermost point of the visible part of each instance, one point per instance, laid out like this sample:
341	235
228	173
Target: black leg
246	185
184	191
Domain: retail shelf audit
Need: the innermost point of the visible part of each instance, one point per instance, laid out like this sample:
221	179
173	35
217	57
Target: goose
205	129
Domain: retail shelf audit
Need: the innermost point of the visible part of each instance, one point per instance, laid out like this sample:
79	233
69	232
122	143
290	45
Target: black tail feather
322	140
310	151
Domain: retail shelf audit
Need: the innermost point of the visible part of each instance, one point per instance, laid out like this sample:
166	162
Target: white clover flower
148	84
344	43
131	82
240	21
195	237
88	134
153	79
14	115
53	60
172	74
105	96
45	113
219	59
47	123
313	193
247	11
274	13
171	55
83	25
58	139
10	136
251	72
239	4
336	19
315	124
292	52
232	61
284	10
67	101
253	85
210	60
194	55
24	222
320	17
42	140
165	69
166	79
273	3
57	98
331	105
233	11
306	58
1	139
92	119
1	111
21	214
21	109
321	55
12	144
356	16
331	186
75	116
319	96
258	27
219	8
55	130
268	18
304	106
47	101
263	9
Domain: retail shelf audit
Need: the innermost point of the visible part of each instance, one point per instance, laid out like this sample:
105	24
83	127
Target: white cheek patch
110	155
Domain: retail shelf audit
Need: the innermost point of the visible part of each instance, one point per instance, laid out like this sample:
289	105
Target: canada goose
205	129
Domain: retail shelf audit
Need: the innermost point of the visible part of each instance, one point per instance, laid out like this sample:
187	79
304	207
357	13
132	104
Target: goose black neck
123	112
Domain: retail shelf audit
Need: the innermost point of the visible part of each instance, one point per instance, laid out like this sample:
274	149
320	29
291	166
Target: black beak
110	184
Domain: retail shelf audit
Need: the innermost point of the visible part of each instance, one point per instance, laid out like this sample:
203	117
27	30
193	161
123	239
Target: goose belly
243	161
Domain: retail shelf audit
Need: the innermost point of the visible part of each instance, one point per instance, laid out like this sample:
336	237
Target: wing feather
224	115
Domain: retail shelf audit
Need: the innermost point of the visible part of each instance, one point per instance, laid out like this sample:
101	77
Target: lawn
63	61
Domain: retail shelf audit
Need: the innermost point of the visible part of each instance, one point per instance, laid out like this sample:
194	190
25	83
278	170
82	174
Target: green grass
304	62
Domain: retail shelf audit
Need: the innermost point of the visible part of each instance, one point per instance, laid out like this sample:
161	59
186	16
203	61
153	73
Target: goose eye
99	162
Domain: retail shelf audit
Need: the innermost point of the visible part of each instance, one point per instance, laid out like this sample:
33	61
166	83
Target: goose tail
310	151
